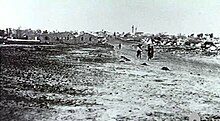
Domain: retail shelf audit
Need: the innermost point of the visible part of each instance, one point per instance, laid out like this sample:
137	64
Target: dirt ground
90	83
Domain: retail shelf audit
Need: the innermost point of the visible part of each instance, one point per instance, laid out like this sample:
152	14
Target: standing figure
119	46
149	52
139	50
152	52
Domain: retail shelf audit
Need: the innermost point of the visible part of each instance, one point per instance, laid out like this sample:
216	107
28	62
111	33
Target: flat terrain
90	83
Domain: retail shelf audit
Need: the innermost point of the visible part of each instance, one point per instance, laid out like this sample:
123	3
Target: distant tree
206	35
75	33
200	35
38	31
114	34
45	32
7	32
211	35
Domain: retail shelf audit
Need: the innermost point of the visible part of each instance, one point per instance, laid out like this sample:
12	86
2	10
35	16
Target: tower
135	29
132	29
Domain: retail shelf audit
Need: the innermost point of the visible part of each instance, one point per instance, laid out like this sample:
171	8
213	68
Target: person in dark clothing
150	52
139	51
119	46
139	54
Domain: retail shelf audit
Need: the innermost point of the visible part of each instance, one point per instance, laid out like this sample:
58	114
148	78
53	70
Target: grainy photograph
109	60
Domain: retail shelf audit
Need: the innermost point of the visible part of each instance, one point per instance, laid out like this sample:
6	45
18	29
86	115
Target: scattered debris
145	64
32	80
165	68
126	59
158	80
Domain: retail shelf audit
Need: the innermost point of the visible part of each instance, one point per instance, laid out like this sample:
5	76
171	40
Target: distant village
202	40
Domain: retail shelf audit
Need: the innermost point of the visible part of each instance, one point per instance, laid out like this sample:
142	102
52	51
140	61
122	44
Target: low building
86	38
58	38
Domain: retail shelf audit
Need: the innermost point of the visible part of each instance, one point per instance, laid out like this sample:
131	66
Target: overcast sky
153	16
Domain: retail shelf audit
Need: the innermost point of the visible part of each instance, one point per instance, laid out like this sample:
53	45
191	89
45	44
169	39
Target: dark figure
150	52
57	38
139	52
46	38
119	46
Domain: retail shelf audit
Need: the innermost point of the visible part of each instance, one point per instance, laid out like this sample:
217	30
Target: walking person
139	50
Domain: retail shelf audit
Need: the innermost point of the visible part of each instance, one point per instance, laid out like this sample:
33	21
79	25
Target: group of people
150	51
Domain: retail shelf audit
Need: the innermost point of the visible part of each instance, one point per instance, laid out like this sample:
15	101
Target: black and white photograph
109	60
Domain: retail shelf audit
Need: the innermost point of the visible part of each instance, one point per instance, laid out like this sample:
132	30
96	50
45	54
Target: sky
150	16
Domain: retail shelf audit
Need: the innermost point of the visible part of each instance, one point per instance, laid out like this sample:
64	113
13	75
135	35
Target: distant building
58	38
139	33
86	38
135	29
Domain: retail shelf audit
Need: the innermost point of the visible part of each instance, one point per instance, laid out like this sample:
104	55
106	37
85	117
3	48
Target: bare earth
89	83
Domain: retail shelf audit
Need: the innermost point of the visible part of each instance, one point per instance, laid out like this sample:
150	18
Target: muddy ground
90	83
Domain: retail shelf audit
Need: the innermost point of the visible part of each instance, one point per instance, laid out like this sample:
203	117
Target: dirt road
77	87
